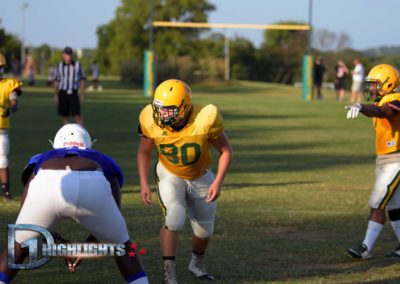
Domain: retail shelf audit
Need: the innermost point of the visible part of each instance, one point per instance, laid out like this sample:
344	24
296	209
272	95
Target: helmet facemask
373	90
168	115
3	65
2	71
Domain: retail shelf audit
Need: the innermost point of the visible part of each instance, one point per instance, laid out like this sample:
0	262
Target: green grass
294	200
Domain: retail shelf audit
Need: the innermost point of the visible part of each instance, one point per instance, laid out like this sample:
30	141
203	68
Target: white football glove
353	110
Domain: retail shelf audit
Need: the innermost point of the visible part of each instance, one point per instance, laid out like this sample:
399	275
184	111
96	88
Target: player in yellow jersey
182	133
9	93
381	85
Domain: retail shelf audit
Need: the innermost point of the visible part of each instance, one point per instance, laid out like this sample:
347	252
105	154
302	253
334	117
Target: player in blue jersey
74	181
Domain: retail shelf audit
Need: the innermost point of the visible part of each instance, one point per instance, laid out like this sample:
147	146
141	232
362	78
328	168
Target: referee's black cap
68	50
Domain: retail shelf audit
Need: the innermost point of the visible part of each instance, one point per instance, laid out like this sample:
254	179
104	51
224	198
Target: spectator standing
50	75
319	70
95	76
358	77
31	75
340	79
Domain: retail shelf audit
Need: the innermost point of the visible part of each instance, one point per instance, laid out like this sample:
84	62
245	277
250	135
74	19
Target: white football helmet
72	135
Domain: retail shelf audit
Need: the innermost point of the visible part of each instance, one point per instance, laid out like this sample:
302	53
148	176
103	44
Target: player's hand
82	99
145	194
213	191
73	263
55	98
353	110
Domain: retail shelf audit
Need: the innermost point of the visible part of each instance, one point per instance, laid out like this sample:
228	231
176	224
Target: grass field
294	200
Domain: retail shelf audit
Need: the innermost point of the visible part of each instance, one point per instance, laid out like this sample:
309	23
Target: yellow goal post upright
194	25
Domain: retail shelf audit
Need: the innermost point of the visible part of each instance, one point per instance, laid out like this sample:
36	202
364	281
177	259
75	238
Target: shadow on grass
234	186
389	280
296	245
241	116
262	163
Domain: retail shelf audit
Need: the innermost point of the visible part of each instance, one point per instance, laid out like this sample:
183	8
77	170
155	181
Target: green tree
287	48
242	58
124	38
42	55
10	45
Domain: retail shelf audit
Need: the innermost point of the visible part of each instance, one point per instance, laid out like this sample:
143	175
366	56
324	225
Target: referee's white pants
174	193
84	196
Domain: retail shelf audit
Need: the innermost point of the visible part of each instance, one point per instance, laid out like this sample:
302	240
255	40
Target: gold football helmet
383	79
171	103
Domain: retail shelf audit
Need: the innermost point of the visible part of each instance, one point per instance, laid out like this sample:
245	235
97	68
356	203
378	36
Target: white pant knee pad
3	161
203	230
4	149
175	219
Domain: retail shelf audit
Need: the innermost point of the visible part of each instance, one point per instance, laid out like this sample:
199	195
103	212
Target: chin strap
94	141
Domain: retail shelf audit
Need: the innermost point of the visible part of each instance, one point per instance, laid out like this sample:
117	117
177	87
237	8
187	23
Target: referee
69	87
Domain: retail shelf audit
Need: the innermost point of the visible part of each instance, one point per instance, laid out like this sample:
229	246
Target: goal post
149	80
307	77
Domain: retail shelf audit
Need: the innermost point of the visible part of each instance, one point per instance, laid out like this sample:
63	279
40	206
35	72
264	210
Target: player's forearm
14	106
223	165
372	111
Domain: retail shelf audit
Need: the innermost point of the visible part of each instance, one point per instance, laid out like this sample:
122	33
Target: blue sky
369	23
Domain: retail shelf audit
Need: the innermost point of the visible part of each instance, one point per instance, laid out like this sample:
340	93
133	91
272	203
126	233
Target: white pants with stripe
386	192
4	148
176	193
84	196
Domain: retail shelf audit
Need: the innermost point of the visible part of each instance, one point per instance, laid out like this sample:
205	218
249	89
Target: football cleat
359	252
7	196
394	253
169	272
198	269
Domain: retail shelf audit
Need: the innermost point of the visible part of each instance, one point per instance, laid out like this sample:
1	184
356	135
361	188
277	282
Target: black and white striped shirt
69	76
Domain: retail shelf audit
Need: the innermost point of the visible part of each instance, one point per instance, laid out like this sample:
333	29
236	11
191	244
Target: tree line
198	54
